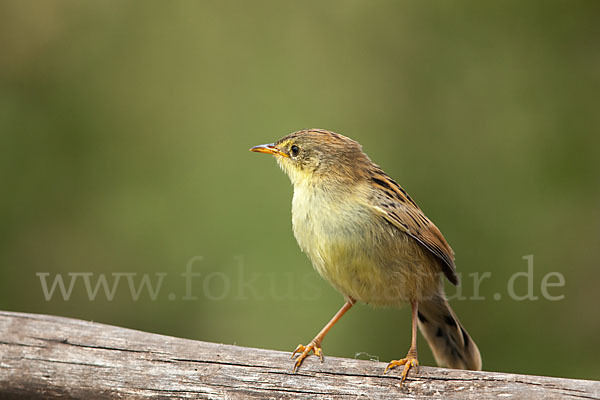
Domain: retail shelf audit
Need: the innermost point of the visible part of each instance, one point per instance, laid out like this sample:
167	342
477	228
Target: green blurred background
125	128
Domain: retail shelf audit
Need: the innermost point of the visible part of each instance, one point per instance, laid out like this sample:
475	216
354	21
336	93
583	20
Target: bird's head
317	155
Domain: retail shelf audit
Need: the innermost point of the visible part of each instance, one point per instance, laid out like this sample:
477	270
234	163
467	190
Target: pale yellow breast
357	251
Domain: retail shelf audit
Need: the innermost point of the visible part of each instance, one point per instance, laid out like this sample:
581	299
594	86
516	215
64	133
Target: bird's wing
395	206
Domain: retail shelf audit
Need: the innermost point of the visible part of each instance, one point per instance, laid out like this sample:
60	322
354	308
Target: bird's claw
304	351
408	362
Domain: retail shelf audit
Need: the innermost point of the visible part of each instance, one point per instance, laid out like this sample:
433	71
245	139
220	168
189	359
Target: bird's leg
315	344
411	358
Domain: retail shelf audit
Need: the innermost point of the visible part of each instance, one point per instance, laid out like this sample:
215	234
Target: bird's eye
294	150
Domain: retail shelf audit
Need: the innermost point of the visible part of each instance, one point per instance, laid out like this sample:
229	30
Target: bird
368	238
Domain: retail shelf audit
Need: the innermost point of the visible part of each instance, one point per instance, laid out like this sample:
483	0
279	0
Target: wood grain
45	356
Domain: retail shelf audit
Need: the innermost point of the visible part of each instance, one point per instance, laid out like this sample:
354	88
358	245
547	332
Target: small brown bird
370	240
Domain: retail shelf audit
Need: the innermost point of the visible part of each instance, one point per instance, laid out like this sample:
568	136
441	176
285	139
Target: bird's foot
408	362
304	351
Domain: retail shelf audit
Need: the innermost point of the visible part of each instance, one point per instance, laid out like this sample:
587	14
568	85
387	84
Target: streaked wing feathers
400	210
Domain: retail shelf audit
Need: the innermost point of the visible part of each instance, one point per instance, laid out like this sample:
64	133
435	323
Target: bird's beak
269	149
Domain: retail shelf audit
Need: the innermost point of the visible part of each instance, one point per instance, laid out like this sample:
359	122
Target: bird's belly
382	267
357	271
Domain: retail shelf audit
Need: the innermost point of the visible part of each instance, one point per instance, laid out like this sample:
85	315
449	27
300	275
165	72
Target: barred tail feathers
451	344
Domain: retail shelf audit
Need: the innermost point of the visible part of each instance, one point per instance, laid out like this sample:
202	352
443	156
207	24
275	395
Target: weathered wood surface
44	356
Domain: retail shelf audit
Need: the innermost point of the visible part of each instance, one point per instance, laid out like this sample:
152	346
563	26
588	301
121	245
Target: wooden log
45	356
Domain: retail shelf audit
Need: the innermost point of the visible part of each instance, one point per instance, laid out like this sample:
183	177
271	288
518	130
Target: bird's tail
451	344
